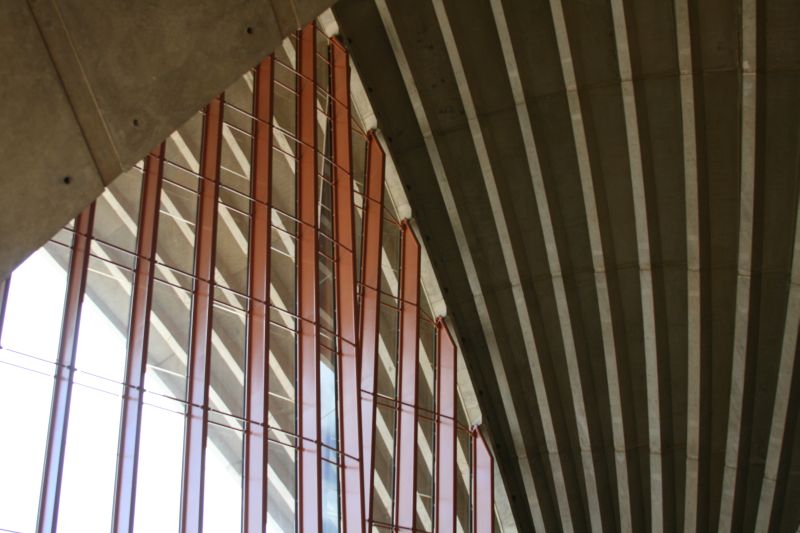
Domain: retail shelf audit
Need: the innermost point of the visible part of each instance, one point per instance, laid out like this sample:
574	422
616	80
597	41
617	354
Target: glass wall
234	337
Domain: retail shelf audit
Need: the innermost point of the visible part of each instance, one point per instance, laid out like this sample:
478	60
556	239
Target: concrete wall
90	86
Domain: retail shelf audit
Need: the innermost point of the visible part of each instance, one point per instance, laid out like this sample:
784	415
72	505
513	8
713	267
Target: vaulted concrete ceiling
89	87
608	190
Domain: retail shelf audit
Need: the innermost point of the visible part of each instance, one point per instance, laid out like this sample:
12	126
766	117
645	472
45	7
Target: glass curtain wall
233	337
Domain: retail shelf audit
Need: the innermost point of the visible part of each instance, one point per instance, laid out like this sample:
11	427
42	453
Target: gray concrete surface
631	153
89	87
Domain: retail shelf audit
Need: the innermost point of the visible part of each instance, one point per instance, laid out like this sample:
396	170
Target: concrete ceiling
90	86
608	191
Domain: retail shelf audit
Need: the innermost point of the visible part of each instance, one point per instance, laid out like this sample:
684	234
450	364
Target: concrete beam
744	271
89	87
468	260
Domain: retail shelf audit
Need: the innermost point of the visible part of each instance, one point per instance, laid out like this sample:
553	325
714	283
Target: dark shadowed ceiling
608	191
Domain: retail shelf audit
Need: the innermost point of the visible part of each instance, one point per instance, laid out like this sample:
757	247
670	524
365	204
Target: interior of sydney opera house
399	266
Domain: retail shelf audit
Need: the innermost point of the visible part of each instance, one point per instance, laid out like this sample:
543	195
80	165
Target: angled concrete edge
90	86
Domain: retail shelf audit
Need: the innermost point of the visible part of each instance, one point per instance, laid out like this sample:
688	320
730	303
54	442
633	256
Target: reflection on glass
282	378
283	293
330	472
425	368
383	484
425	469
389	330
235	156
227	359
233	231
168	343
282	489
222	501
176	227
116	213
463	480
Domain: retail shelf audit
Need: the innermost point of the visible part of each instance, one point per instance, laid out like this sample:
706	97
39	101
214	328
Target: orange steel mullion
482	485
446	431
369	314
257	371
200	351
65	370
130	427
405	509
350	418
309	465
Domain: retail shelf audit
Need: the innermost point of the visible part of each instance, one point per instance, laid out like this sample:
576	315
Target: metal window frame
65	371
138	334
445	484
308	394
352	494
356	336
369	313
257	366
193	478
482	485
405	495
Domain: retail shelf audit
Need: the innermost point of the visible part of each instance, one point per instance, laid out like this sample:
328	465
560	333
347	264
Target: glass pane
283	269
36	303
383	485
425	374
328	423
116	212
240	93
158	486
281	492
325	296
327	407
222	502
176	227
425	464
284	165
168	343
358	220
24	413
387	350
87	488
390	263
463	480
227	360
235	159
102	337
359	166
330	497
282	369
184	145
285	95
233	237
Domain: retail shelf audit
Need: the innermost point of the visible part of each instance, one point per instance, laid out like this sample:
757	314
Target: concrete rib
693	301
551	249
595	241
469	264
747	184
645	272
783	391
